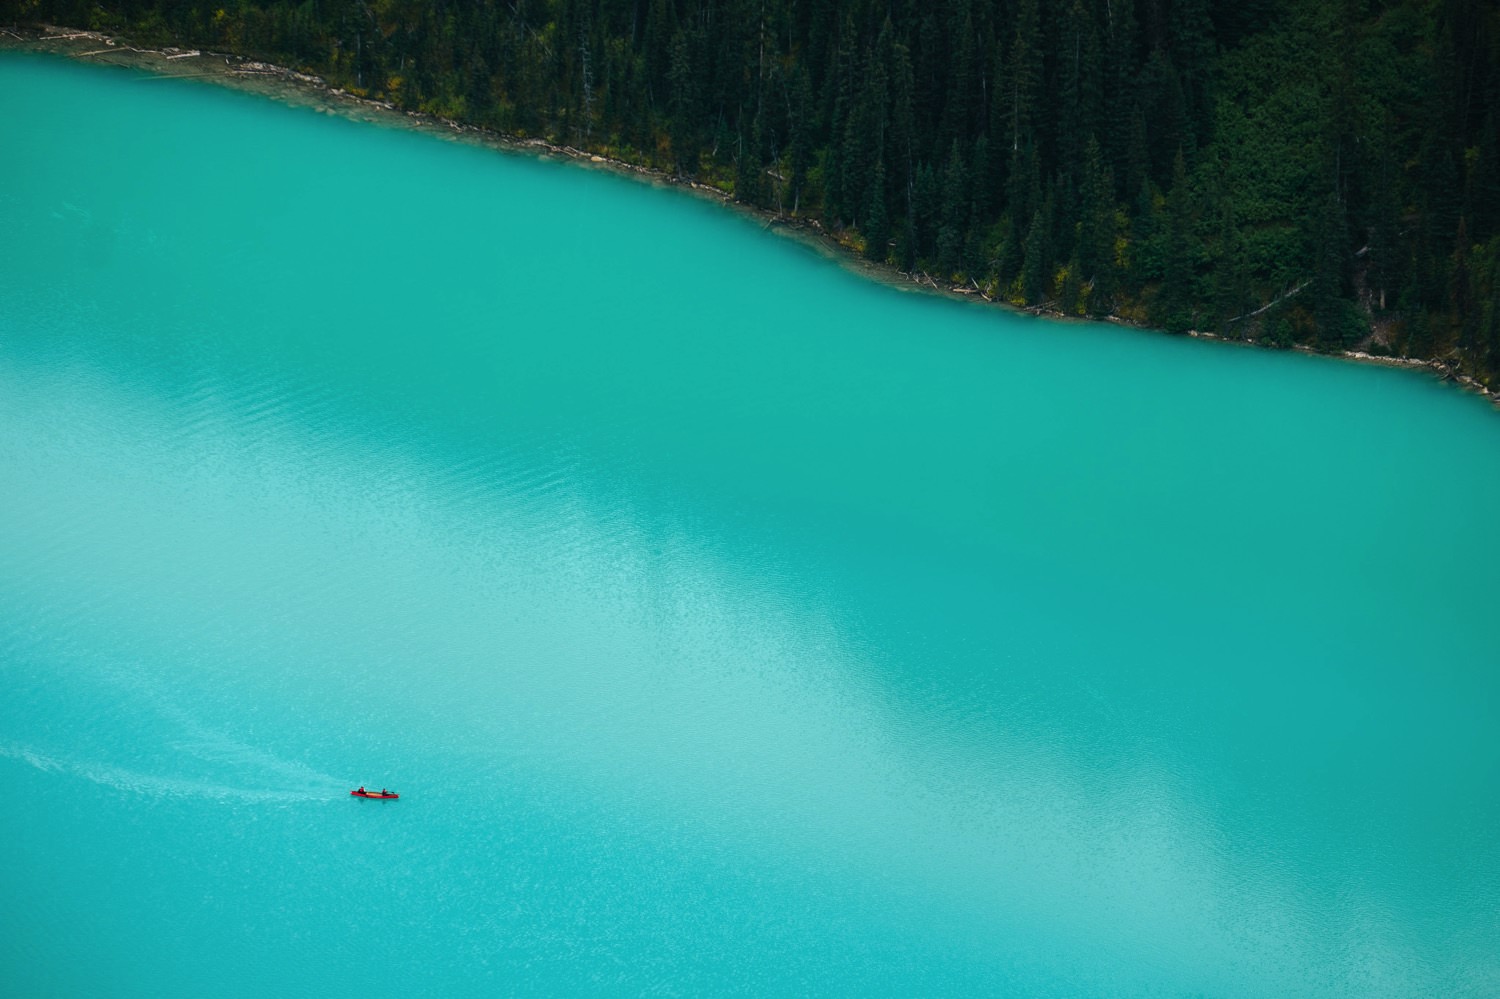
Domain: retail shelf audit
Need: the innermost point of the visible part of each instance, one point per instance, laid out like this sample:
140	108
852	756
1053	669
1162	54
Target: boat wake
123	779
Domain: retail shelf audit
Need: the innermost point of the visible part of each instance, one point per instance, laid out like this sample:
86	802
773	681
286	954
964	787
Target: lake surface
730	624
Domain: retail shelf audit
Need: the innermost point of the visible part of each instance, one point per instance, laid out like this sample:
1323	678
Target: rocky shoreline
309	91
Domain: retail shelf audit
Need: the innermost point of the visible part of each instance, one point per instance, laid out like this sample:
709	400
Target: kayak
362	793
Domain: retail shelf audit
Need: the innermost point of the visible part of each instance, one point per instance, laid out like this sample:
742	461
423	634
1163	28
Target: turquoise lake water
729	623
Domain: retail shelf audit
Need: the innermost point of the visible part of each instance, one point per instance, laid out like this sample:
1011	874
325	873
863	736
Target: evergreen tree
1038	259
1175	303
1330	272
1094	248
877	226
686	114
926	211
1192	41
955	214
1081	96
800	128
1023	90
902	143
1121	116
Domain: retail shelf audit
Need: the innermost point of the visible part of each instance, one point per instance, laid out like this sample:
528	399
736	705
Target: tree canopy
1301	171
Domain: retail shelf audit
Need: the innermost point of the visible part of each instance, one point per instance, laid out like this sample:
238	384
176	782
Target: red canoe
362	793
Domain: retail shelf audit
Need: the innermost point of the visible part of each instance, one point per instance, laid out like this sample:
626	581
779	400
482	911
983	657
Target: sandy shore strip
305	90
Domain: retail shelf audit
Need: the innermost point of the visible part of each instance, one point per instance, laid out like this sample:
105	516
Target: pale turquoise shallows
730	624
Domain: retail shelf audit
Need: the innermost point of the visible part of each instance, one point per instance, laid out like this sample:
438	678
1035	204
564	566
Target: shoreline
305	90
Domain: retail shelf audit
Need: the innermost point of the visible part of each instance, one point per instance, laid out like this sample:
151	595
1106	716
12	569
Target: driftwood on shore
1273	302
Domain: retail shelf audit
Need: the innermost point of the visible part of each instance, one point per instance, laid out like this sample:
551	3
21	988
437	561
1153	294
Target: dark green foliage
1174	304
685	122
877	223
1036	267
955	215
1183	161
1094	246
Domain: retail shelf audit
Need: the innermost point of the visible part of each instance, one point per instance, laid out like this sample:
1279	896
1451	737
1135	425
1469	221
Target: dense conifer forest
1317	172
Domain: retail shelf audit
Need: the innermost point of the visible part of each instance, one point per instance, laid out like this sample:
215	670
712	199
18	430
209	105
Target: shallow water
729	624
